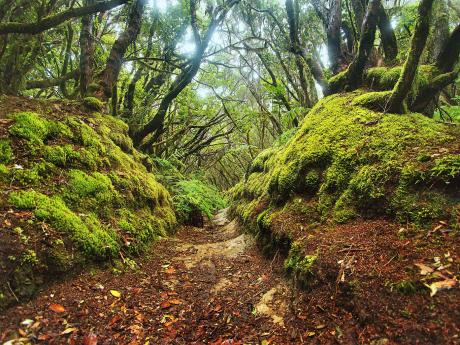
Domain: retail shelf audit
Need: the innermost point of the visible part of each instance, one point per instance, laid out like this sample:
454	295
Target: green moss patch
83	191
92	103
352	162
6	152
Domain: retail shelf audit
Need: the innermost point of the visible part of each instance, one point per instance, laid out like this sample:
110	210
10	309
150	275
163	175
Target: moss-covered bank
73	190
347	162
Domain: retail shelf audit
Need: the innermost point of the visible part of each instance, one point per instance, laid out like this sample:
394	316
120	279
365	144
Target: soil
211	285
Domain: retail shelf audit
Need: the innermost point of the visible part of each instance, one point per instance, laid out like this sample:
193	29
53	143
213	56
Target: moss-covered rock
92	103
82	193
358	162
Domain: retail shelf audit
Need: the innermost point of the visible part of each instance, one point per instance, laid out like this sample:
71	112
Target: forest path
207	285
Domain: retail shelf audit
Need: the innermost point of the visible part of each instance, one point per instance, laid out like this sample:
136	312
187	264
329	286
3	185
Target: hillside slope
72	191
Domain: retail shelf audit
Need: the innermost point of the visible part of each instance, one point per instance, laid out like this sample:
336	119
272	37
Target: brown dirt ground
211	285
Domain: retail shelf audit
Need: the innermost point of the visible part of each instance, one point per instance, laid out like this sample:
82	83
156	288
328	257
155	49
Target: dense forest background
207	85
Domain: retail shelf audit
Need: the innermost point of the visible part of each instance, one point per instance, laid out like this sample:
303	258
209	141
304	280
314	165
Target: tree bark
300	54
67	55
359	10
387	35
333	34
353	77
115	59
86	51
426	98
52	21
397	100
128	101
439	32
449	54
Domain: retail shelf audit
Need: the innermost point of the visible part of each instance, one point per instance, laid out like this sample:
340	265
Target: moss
385	78
258	162
58	259
91	159
32	175
312	181
373	100
35	129
85	135
90	191
447	168
109	124
353	162
6	152
29	257
299	265
61	156
4	171
30	126
122	141
264	219
140	227
338	81
94	239
92	103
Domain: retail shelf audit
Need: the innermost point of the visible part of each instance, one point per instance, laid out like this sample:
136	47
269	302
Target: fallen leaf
69	330
57	308
441	285
90	339
170	270
136	290
165	304
115	293
310	334
175	301
114	320
44	336
424	269
321	326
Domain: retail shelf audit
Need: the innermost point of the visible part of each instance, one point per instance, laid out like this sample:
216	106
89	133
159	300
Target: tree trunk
387	35
297	50
67	55
359	9
115	59
86	51
449	54
402	88
439	32
334	36
353	77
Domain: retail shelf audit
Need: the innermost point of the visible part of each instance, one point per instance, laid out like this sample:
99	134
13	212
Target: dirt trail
212	285
205	286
